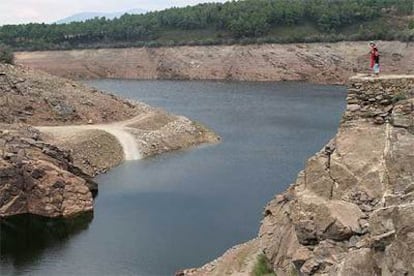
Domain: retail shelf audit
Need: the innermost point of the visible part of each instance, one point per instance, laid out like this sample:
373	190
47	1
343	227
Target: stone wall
375	98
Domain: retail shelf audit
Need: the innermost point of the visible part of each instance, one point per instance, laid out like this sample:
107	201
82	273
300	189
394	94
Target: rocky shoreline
47	160
325	63
351	209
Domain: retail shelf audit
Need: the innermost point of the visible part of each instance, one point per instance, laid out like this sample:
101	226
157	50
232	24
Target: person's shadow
24	238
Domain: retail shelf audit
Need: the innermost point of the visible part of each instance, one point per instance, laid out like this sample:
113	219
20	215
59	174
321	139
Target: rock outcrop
39	178
351	210
314	62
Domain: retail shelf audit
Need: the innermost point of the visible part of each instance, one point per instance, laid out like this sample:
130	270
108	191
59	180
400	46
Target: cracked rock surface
38	178
351	211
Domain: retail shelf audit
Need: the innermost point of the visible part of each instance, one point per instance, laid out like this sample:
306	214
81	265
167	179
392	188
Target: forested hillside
244	21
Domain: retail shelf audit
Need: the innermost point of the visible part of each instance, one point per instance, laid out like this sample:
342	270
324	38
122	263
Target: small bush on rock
6	54
262	267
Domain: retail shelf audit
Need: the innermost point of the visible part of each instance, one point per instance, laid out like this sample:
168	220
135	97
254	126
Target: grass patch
263	267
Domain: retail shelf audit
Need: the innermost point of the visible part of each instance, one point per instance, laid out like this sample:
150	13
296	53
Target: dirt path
96	148
119	130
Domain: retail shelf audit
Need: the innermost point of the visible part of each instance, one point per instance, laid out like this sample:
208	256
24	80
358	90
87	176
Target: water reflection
24	238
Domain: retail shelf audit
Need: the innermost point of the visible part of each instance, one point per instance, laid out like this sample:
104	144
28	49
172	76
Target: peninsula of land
56	134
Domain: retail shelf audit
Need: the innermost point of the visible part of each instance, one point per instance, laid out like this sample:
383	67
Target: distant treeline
244	21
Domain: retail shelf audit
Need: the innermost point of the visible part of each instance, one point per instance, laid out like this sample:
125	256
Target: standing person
375	58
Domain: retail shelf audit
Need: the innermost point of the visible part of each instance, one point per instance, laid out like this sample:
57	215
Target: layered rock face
351	210
38	178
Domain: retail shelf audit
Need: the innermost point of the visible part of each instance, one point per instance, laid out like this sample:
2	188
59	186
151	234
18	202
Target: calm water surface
155	216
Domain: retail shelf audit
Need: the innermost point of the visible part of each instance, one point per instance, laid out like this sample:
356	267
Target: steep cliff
314	62
351	210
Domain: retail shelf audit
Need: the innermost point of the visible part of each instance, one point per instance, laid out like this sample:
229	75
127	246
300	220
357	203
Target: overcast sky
25	11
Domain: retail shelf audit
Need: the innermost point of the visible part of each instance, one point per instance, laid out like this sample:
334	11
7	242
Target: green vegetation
6	54
411	25
262	267
243	21
399	97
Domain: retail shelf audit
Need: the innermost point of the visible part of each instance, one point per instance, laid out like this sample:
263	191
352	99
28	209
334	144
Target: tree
241	21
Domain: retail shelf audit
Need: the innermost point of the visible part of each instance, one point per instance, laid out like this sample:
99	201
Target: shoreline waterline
181	209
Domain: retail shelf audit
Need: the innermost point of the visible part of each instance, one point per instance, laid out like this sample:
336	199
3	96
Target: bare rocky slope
38	98
316	62
55	134
351	210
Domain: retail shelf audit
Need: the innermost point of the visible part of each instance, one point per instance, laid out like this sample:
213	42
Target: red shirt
374	56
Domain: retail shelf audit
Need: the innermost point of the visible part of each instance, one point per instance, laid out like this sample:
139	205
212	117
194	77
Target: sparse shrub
262	267
6	54
399	97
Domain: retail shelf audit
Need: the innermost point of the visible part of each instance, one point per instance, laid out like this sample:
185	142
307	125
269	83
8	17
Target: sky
48	11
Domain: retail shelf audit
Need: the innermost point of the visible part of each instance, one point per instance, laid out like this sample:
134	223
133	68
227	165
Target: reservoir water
182	209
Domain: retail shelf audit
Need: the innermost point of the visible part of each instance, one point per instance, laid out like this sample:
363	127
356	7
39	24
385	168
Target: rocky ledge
351	210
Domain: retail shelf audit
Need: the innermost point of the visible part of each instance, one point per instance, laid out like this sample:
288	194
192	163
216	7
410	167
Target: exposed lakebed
185	208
